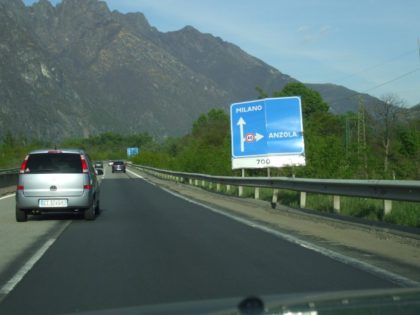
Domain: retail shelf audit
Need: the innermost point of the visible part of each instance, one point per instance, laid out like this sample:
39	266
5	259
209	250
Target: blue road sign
269	128
132	151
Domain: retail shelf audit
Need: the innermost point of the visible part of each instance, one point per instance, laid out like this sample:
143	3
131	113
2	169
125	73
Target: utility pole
418	43
361	134
347	137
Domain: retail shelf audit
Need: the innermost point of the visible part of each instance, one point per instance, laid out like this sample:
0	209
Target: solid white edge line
137	175
382	273
7	196
9	286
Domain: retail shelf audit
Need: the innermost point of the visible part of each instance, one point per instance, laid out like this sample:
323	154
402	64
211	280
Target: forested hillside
352	145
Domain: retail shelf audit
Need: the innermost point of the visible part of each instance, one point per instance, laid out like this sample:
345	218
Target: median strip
7	196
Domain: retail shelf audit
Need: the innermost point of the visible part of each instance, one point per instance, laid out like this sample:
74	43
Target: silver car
57	181
118	166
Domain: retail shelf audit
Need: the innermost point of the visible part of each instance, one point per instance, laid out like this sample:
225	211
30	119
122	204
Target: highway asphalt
150	247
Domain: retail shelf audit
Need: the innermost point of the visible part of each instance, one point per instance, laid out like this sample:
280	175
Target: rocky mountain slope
78	69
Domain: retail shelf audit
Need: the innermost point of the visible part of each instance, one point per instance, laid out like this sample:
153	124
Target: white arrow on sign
258	136
241	123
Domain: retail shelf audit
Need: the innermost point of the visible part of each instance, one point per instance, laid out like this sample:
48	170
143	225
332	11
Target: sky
370	46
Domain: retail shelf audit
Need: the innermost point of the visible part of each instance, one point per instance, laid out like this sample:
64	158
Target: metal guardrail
387	190
9	171
8	177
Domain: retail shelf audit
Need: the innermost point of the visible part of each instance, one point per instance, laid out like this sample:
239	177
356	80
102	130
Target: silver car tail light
23	165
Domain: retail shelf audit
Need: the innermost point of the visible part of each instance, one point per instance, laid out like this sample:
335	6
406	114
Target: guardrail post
404	190
303	199
275	197
210	185
336	201
387	206
257	193
203	183
240	188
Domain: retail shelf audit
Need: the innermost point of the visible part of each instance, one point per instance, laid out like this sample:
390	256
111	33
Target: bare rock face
78	69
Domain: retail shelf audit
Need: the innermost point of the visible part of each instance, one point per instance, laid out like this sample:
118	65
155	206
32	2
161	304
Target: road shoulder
397	253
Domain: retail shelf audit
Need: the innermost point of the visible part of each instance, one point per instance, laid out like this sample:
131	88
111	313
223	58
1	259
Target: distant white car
110	163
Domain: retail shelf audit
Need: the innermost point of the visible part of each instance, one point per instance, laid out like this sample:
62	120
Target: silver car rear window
54	163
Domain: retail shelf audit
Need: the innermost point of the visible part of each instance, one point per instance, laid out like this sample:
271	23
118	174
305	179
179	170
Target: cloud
314	35
302	29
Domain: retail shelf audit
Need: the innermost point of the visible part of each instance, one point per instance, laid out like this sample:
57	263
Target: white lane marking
135	174
9	286
381	273
8	196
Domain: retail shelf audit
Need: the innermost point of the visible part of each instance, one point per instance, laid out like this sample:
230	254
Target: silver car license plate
52	203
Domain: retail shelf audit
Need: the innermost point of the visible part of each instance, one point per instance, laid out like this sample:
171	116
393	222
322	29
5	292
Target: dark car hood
385	301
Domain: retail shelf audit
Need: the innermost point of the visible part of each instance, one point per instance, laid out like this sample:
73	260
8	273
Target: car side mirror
99	171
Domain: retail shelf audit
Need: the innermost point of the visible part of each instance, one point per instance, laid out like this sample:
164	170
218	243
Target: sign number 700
263	161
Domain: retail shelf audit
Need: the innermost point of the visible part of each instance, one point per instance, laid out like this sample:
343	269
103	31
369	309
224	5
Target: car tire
89	213
21	215
97	208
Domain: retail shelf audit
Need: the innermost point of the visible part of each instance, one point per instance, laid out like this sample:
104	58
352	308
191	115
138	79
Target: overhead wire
386	82
392	80
380	64
377	86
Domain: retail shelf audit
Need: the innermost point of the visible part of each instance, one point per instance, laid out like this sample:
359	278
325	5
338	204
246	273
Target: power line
392	80
380	64
379	85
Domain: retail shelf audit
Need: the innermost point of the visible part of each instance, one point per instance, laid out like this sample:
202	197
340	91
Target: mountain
342	99
78	69
414	111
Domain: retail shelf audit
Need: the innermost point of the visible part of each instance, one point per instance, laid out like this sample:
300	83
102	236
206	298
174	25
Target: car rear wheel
89	213
97	208
21	215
